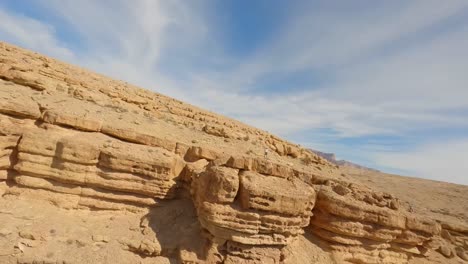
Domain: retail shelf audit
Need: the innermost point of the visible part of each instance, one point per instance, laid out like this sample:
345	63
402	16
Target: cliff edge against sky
94	170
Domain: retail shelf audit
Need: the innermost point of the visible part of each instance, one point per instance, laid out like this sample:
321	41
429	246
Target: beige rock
239	253
14	101
138	159
446	235
100	238
446	251
106	150
27	235
39	183
73	121
341	190
249	227
216	131
196	153
3	175
193	169
358	254
275	194
136	136
145	247
342	218
148	247
218	185
461	253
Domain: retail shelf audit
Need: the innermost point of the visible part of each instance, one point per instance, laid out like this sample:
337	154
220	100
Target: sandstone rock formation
198	181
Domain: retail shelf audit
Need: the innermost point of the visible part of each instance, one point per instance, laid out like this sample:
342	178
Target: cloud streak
441	161
32	34
367	69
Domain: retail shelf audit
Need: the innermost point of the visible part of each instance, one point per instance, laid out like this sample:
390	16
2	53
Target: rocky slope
94	170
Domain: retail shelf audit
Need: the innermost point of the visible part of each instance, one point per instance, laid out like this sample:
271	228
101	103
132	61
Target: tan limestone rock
77	140
274	194
218	184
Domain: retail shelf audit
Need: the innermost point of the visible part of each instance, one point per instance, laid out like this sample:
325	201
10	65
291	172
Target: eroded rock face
253	211
93	165
82	141
350	225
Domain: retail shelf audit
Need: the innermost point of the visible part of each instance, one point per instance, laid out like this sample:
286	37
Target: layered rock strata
92	166
249	210
366	233
81	140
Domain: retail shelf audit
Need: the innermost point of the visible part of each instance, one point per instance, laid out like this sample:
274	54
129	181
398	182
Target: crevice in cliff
12	159
176	228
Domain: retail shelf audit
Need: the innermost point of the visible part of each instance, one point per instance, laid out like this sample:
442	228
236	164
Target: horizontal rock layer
81	140
91	165
255	215
366	233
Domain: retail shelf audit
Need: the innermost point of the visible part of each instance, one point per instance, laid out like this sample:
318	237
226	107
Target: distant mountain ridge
331	157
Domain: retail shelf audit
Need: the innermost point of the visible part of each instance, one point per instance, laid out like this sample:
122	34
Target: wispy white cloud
440	161
32	34
381	82
393	67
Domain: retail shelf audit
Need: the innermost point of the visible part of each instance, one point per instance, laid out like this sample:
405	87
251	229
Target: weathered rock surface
191	186
351	225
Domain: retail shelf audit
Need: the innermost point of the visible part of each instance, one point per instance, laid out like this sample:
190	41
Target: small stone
461	253
80	243
394	204
99	238
20	246
149	247
4	232
369	200
27	235
446	235
146	231
433	244
341	190
131	244
144	222
30	243
424	251
446	251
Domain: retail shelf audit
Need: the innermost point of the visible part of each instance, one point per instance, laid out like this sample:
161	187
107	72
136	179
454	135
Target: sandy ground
35	231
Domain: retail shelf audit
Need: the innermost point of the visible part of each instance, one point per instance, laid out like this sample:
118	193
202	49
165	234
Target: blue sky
381	83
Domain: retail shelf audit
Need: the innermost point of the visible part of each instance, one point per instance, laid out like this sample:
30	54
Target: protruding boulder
274	194
218	184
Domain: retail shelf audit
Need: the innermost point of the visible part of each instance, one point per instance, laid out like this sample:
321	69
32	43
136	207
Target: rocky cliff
198	182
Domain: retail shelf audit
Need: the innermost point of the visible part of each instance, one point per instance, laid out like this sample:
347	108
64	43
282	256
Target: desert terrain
95	170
